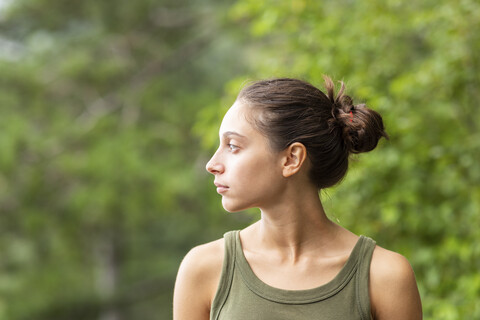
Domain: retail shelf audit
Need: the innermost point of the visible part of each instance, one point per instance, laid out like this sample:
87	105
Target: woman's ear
294	157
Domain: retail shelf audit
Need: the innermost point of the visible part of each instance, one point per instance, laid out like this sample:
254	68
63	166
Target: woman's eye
232	147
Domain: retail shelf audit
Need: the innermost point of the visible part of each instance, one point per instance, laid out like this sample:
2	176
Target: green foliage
111	108
102	186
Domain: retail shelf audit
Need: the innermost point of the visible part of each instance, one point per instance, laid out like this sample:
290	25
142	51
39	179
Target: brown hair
328	125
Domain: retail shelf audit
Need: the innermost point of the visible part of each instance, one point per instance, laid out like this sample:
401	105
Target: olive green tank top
241	295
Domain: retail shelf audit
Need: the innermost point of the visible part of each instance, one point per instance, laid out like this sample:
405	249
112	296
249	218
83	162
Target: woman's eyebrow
232	133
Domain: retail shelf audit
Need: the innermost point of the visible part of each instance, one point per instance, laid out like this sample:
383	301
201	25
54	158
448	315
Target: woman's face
247	172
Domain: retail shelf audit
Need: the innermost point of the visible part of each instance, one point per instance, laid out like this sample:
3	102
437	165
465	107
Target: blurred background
109	111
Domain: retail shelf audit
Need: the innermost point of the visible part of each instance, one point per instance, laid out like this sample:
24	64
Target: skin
293	234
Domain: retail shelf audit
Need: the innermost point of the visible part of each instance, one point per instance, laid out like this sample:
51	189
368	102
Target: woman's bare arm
197	282
393	288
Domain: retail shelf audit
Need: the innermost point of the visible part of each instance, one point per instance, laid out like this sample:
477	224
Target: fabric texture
241	295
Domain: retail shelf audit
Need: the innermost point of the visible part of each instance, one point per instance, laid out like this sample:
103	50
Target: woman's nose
214	166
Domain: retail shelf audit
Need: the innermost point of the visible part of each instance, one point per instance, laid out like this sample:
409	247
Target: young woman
281	142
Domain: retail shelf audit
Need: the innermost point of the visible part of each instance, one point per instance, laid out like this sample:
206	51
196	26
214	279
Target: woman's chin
233	207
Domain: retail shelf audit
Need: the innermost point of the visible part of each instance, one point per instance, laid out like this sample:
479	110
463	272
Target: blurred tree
102	186
417	64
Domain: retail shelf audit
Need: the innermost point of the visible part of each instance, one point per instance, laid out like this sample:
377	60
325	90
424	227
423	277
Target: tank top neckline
305	296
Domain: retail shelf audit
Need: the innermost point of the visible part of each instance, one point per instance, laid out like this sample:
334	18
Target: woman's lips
221	188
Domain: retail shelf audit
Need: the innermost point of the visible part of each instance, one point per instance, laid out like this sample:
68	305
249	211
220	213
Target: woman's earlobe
295	156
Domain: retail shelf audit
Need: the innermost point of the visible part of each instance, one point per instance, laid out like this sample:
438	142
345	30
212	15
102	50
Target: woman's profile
281	142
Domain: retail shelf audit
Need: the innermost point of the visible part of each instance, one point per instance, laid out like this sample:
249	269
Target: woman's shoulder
389	264
207	255
204	261
197	280
393	288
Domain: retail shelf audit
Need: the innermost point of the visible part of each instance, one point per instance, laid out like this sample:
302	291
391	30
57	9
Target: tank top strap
363	277
226	277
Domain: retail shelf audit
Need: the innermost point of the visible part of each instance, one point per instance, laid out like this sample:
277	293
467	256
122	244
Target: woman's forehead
235	121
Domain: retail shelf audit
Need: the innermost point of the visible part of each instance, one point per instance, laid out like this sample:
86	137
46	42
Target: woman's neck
295	226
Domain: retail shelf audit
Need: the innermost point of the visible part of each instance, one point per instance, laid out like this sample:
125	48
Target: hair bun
362	127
